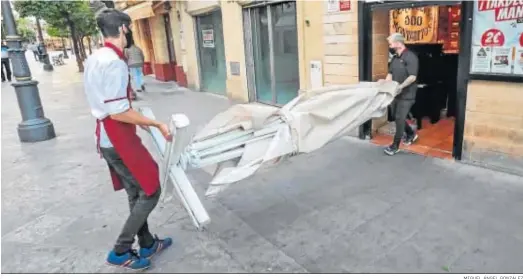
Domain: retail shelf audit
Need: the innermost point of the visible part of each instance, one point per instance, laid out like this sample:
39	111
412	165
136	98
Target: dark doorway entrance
170	43
453	106
146	31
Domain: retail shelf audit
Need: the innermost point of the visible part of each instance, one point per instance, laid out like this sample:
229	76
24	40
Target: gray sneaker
410	140
391	150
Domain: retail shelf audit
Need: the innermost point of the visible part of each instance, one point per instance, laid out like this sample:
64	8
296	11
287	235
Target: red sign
344	5
503	9
493	37
521	40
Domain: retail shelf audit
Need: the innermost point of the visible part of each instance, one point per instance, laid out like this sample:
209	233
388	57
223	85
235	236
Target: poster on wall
417	25
518	61
498	26
502	60
345	5
333	6
481	57
208	38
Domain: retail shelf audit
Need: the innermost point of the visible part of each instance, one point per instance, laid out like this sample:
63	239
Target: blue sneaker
159	245
129	260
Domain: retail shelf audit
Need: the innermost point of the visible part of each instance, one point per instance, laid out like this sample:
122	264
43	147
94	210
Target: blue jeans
136	78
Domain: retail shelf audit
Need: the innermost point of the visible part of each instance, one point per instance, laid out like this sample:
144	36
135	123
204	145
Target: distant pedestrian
34	48
135	61
40	50
6	63
106	84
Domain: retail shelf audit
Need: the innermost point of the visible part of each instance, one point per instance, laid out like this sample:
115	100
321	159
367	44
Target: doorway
272	52
211	53
148	46
170	43
433	31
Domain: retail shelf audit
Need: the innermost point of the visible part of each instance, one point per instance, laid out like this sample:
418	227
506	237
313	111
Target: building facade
269	51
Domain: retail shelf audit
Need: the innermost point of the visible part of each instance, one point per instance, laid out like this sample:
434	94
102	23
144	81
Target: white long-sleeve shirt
106	77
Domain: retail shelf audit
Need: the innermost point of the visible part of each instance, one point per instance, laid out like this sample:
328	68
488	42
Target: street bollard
34	126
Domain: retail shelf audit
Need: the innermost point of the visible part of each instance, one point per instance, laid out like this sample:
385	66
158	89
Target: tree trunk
79	61
82	48
39	30
72	45
89	45
65	48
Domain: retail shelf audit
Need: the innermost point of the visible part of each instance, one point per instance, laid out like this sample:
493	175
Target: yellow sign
418	25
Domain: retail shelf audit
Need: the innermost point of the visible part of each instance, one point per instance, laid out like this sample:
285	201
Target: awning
140	11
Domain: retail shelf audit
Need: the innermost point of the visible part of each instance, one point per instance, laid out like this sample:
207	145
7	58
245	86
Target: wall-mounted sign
518	61
208	38
418	25
333	6
338	6
498	31
316	74
235	68
344	5
449	28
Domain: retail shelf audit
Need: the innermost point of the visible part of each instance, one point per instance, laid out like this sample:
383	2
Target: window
497	38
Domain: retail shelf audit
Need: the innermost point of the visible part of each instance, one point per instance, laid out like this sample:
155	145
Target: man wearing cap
106	81
403	68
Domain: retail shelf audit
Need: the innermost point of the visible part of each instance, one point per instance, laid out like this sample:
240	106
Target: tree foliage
59	32
71	17
85	21
25	30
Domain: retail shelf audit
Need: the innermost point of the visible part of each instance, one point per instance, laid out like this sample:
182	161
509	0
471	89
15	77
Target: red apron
129	147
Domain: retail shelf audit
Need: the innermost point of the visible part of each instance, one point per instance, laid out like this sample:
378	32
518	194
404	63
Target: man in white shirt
132	168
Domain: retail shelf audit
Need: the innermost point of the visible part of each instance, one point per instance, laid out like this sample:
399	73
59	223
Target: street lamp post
34	126
45	55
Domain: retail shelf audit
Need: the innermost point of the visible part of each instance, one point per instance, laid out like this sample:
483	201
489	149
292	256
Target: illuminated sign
418	25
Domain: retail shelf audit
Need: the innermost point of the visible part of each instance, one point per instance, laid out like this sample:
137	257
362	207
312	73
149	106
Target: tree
72	14
23	26
86	27
59	32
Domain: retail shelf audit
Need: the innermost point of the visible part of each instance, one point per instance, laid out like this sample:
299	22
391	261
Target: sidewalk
346	208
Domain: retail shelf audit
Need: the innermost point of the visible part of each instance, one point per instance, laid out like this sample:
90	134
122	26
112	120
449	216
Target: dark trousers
37	55
7	66
140	205
401	109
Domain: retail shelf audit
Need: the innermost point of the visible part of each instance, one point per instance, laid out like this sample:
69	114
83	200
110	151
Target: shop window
290	44
497	38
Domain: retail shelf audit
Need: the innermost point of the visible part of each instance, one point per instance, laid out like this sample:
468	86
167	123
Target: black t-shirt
401	67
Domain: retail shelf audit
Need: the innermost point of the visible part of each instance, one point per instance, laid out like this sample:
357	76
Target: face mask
129	38
392	50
